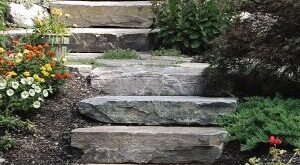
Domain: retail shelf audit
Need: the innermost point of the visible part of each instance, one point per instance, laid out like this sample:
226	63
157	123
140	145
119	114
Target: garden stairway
152	106
152	110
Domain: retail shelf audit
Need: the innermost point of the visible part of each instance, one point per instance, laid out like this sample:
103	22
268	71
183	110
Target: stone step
142	56
130	14
148	144
184	79
90	40
157	110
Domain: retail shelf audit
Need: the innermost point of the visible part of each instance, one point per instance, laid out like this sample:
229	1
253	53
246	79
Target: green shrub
120	54
258	118
7	142
3	9
167	52
263	59
189	25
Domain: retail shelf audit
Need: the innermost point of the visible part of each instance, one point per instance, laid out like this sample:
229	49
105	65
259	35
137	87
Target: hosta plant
189	25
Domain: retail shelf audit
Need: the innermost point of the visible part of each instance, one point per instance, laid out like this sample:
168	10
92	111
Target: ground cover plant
189	25
167	52
120	54
258	55
259	118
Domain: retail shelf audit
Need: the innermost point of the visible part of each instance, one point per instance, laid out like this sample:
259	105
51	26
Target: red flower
58	76
274	141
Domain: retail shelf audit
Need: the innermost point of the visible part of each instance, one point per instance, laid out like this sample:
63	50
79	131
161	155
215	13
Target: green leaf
186	43
194	36
195	44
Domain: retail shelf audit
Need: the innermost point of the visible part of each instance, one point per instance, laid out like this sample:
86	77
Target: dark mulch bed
50	144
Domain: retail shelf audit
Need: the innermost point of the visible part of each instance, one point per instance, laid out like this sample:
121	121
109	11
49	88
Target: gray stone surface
91	40
83	70
150	80
142	56
157	110
107	14
121	144
23	16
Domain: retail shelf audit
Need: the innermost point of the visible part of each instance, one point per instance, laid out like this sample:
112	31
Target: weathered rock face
148	80
23	16
110	14
157	110
92	40
100	40
121	144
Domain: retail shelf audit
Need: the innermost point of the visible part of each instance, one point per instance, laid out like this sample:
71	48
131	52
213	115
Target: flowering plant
28	74
54	25
275	154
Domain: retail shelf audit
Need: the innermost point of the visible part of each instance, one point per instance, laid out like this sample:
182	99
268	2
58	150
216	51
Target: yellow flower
18	60
36	77
46	74
43	68
49	69
38	21
2	50
42	80
27	74
52	75
56	12
12	73
26	51
20	55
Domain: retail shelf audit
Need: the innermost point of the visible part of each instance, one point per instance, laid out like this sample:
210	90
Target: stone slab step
184	79
149	144
132	14
142	56
157	110
90	40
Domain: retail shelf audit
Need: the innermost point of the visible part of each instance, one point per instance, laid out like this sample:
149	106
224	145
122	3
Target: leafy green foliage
11	123
3	9
167	52
189	25
258	118
120	54
7	142
249	62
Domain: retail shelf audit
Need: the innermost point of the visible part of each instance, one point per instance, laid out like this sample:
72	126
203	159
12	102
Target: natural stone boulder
91	40
23	16
102	39
121	144
181	80
157	110
107	14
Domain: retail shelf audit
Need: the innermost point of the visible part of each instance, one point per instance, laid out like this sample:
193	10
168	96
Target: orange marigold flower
40	47
52	63
46	45
27	46
58	76
29	56
66	75
10	63
35	49
51	53
15	42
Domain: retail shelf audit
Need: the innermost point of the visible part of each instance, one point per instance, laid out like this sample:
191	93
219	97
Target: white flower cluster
24	90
